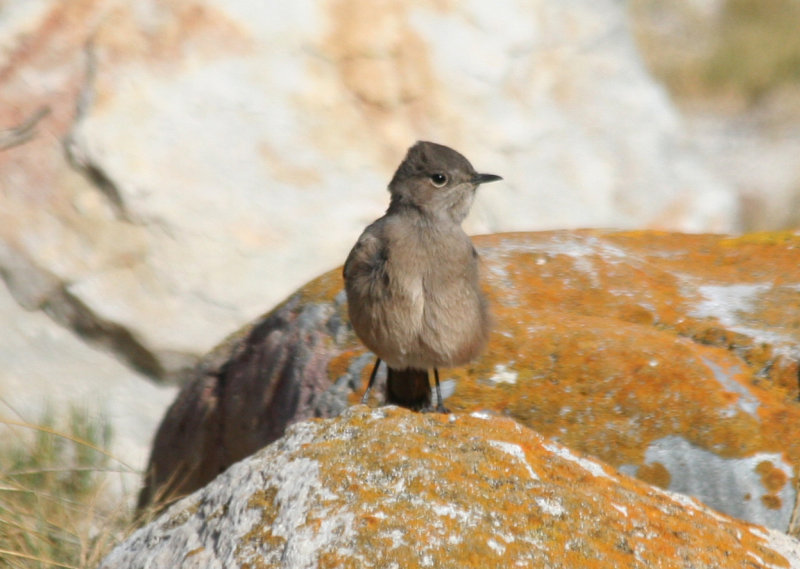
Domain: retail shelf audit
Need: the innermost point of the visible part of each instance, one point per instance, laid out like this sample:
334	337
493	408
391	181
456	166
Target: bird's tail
408	388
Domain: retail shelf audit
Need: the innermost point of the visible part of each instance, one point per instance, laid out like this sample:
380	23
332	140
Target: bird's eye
438	179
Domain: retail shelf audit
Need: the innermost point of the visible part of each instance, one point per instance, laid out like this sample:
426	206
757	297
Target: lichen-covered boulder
672	357
392	488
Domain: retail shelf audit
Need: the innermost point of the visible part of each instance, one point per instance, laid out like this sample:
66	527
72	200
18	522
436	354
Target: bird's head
436	180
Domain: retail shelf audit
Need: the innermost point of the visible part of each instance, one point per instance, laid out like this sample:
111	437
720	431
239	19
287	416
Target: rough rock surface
193	149
672	357
392	488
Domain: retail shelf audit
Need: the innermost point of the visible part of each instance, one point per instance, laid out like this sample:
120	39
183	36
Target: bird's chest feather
427	270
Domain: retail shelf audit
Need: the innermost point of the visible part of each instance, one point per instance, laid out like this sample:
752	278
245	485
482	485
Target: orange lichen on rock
338	365
654	473
323	288
423	468
610	343
773	479
389	487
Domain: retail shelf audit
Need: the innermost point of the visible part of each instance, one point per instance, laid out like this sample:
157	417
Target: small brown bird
412	277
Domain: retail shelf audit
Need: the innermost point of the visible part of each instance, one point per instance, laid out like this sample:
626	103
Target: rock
392	488
227	410
193	149
672	357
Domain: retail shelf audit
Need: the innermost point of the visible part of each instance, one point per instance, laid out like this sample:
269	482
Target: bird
412	277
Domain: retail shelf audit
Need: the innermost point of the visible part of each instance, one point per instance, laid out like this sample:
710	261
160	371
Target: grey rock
243	395
392	488
731	485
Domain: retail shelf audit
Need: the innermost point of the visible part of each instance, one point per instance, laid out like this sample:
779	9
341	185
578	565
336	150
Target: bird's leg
440	408
371	381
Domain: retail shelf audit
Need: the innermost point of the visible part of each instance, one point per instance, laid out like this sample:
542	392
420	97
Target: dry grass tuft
56	506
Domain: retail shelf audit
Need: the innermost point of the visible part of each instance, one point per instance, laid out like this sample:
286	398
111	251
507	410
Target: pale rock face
201	159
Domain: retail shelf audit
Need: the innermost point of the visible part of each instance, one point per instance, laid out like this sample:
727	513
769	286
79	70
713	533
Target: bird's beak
484	178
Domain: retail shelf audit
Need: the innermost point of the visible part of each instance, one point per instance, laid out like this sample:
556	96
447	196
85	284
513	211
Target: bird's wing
365	266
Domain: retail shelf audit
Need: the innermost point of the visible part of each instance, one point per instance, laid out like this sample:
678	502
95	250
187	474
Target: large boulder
393	488
203	158
672	357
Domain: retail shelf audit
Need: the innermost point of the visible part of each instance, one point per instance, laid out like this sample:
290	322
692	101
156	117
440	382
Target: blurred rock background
732	67
171	170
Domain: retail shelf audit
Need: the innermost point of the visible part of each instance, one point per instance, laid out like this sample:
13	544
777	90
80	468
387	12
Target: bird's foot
440	408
